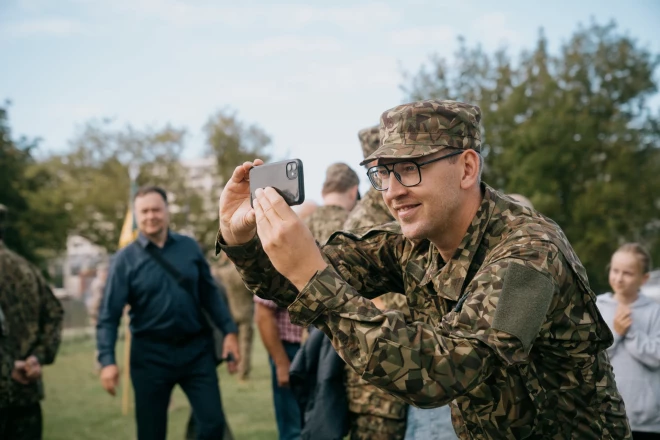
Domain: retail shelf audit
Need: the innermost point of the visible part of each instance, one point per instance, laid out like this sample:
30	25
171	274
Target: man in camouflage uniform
30	331
340	194
241	306
505	327
375	414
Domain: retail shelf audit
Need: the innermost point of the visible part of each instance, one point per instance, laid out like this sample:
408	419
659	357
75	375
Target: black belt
178	340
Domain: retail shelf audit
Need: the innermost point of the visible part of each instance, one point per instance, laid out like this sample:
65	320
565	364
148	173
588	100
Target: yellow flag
128	230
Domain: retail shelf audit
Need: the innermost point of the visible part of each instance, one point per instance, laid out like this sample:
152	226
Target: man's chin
411	233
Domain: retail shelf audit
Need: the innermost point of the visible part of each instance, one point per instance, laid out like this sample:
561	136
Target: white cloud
371	72
185	14
44	27
288	44
423	36
493	30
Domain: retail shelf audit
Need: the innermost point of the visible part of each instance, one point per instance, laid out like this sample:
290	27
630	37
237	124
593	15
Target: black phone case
275	175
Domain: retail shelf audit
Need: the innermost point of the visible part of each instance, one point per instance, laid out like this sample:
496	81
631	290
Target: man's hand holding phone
286	239
237	220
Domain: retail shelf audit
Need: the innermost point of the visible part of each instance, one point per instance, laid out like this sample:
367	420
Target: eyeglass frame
419	169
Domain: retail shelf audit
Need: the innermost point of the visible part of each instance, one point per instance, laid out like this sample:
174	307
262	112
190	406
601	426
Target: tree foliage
233	142
573	131
94	182
37	221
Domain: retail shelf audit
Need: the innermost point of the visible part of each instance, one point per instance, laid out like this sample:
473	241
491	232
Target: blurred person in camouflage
505	325
304	210
241	306
30	334
96	293
340	194
373	413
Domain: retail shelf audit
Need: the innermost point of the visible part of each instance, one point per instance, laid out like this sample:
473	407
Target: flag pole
133	172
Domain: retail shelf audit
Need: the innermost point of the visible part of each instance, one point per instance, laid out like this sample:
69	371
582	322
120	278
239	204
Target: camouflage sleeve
357	259
50	325
493	325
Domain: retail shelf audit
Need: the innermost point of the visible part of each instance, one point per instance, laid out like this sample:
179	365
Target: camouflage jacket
241	302
364	398
325	220
368	212
32	325
507	330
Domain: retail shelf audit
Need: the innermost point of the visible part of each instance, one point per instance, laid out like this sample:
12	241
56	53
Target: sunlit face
626	274
426	211
151	214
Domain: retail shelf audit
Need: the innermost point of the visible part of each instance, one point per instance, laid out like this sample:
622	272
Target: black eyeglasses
408	173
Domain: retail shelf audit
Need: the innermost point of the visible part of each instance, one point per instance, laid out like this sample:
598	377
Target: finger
279	205
247	166
267	200
240	173
263	222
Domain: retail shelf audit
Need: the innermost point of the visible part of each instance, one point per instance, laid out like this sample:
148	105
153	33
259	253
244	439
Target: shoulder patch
523	303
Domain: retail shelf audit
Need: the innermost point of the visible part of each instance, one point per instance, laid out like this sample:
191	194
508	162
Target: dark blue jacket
159	306
316	378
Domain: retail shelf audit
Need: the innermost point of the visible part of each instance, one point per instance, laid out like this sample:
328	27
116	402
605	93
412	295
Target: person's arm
643	346
50	324
114	299
495	324
212	300
264	315
351	255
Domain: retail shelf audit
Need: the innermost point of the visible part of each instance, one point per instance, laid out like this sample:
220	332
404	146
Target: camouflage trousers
370	427
21	422
245	338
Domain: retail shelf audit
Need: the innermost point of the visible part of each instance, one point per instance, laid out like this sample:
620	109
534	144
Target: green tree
37	219
232	142
93	175
572	131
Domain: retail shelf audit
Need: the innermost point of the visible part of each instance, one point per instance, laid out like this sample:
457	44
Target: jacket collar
448	278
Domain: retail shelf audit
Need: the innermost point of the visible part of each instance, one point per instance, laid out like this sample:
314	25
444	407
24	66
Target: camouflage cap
339	177
424	127
370	140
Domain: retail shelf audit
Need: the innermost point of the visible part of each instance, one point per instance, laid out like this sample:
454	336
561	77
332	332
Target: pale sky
311	74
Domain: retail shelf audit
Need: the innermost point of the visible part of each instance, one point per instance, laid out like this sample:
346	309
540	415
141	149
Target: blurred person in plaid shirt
282	341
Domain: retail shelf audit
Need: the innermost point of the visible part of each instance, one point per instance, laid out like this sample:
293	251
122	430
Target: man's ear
470	174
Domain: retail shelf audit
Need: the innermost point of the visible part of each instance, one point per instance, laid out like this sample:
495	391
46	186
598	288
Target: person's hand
622	319
282	373
285	238
110	378
19	373
32	369
237	221
230	346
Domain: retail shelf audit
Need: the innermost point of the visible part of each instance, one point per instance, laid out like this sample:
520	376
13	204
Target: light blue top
635	359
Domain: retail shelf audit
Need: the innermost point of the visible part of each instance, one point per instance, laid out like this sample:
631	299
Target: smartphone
286	177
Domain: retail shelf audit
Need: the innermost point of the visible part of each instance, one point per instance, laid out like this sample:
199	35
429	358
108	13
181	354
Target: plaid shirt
288	332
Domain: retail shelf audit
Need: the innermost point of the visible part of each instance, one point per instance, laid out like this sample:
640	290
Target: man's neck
453	236
336	199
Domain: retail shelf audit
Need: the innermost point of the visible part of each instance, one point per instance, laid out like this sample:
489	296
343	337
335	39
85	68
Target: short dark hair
144	190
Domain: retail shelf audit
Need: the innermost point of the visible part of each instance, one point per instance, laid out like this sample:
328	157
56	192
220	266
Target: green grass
77	408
